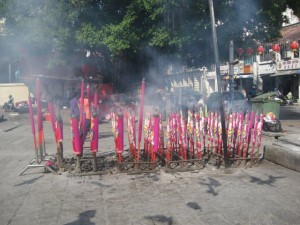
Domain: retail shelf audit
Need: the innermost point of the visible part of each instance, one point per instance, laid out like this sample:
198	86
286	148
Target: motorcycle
289	100
280	99
9	106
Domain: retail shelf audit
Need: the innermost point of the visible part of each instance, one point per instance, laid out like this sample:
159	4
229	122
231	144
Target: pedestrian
74	106
289	96
17	75
252	93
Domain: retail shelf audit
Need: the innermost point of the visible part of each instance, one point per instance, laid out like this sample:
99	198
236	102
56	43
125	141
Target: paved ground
264	194
285	149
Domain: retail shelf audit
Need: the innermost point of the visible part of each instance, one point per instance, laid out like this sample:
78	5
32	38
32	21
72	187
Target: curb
282	156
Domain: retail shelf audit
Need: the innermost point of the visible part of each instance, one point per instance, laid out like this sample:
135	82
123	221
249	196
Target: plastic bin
265	103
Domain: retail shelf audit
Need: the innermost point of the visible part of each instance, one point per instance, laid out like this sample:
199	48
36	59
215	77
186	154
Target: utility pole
231	88
221	99
9	73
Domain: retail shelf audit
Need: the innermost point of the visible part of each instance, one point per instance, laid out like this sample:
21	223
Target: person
252	92
74	106
17	75
289	96
244	92
278	93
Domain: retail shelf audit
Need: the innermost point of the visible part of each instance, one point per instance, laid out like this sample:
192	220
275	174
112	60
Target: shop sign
224	70
289	64
248	69
266	68
237	69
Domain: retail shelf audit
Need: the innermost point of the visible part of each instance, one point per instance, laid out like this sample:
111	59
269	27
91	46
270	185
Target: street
262	194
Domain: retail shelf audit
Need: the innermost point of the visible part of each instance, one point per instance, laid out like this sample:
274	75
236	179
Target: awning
286	73
243	76
210	77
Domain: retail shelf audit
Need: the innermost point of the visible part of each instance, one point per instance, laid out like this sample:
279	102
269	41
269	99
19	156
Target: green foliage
126	29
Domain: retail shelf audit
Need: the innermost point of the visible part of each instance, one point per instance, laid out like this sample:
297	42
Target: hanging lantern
260	50
240	51
276	47
294	46
249	51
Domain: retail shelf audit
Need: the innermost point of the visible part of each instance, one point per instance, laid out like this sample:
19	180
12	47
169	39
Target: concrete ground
262	194
285	149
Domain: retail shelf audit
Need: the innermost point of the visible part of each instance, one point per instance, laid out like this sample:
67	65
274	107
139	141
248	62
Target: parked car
236	103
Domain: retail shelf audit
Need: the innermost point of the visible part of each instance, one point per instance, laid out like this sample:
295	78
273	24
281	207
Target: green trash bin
266	103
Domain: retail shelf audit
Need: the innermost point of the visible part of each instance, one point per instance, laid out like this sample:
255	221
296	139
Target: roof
290	33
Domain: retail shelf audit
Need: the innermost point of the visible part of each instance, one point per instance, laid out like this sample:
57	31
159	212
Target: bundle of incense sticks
245	136
131	134
184	136
220	140
204	130
114	125
156	136
234	130
117	122
229	135
198	136
168	140
57	124
141	114
94	125
59	132
189	137
254	134
203	133
251	123
214	138
147	133
76	139
150	137
174	133
239	134
190	132
51	111
41	139
210	130
259	133
216	133
161	135
120	127
82	116
179	135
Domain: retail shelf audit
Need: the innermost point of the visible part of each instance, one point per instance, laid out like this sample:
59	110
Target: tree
129	37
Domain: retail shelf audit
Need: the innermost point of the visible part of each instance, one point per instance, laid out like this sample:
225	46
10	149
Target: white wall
18	90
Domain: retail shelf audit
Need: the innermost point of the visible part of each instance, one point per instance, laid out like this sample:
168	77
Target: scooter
9	106
280	99
289	101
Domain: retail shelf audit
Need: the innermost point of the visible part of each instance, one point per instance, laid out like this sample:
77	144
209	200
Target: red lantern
260	50
276	48
294	46
249	51
240	51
